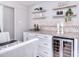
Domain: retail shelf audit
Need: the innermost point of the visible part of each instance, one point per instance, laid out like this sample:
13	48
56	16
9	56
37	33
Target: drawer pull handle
45	52
45	44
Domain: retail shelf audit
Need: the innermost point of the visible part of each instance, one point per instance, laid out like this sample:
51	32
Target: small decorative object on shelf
38	9
39	13
0	29
59	13
68	15
36	27
41	8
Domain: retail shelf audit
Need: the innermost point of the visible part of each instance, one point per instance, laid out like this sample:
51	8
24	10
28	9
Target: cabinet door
68	48
45	44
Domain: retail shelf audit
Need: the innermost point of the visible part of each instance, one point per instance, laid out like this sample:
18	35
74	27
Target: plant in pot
68	15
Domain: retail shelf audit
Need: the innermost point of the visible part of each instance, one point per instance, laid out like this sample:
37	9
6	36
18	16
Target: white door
8	20
67	48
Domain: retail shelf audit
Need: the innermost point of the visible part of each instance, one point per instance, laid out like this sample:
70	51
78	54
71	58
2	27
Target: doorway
8	21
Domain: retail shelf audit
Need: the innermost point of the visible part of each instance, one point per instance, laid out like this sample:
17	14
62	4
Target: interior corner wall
49	20
20	18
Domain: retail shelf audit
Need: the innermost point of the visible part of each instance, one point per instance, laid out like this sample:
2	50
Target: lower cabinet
44	45
53	46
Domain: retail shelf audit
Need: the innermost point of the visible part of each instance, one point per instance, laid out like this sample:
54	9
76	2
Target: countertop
42	32
54	33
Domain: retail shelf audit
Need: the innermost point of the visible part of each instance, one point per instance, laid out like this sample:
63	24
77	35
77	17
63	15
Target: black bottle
41	8
0	30
37	27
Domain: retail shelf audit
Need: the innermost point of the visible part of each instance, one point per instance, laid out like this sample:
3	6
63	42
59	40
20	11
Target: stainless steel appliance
63	46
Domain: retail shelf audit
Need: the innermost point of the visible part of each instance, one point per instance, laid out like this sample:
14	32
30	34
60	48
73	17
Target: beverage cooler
65	47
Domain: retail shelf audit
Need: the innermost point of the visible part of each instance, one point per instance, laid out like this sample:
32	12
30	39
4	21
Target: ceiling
28	3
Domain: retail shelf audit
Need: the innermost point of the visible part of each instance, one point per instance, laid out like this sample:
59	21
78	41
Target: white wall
49	14
1	17
20	18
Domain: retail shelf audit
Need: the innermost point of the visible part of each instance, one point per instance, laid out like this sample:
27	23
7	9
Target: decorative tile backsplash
68	30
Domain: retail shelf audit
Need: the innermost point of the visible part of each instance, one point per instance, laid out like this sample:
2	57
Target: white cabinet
44	48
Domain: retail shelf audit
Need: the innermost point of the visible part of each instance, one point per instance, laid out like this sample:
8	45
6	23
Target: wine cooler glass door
68	48
63	47
56	48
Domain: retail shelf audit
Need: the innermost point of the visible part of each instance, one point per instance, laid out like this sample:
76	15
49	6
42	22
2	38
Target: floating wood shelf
39	12
61	16
71	6
39	18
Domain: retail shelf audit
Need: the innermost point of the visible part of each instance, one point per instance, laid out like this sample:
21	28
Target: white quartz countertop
54	33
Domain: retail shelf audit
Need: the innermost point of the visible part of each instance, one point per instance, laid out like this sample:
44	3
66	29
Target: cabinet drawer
45	48
42	55
46	44
45	53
